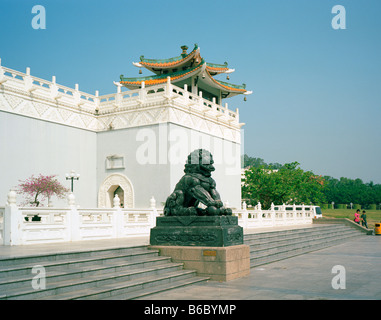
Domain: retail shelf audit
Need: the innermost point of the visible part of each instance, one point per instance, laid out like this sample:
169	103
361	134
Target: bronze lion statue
195	187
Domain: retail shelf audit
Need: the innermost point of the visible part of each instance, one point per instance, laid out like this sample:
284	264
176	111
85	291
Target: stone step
266	259
65	265
287	247
167	283
72	256
297	238
273	246
135	272
117	273
74	270
264	236
68	286
125	290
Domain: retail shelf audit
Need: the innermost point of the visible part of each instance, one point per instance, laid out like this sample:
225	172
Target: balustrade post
54	93
12	225
226	109
237	115
77	96
154	213
74	219
259	214
97	101
272	214
186	93
245	215
3	78
294	212
28	81
142	92
168	88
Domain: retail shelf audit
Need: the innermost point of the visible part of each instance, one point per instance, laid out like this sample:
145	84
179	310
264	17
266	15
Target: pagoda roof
133	83
226	86
215	68
183	67
156	65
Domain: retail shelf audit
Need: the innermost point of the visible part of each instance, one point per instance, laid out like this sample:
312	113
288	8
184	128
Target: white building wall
140	149
48	128
154	158
226	156
31	146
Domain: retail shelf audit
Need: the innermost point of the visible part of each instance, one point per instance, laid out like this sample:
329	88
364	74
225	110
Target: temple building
133	143
189	71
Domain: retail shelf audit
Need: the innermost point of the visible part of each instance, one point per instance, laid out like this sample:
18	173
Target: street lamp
333	203
72	176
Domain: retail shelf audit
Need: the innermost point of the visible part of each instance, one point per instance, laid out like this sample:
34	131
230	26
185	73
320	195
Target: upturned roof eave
134	83
175	62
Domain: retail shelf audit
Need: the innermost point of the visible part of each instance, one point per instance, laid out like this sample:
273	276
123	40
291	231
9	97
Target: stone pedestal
206	231
218	263
211	245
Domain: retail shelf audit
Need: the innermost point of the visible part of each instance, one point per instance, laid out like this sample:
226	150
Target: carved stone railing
92	110
282	215
45	225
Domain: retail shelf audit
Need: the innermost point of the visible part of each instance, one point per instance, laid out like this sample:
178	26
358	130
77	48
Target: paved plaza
308	276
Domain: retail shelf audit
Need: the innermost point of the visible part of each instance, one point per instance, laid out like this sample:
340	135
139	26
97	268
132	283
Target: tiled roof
214	67
167	62
158	79
228	86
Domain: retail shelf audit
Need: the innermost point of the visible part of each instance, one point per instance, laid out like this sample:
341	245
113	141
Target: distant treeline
343	191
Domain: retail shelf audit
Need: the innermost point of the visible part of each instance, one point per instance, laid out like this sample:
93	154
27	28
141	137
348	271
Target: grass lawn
373	216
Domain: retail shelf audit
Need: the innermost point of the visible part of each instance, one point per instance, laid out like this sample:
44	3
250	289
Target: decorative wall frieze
40	99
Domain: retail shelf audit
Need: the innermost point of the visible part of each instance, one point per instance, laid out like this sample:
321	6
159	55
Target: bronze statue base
206	231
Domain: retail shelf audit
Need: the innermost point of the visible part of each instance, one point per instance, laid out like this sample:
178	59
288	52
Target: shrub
372	206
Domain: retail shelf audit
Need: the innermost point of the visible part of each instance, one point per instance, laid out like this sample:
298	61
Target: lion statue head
200	161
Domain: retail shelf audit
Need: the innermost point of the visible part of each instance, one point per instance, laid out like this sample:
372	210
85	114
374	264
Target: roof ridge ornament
184	48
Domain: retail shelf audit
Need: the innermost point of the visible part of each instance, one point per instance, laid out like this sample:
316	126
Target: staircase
273	246
120	273
135	272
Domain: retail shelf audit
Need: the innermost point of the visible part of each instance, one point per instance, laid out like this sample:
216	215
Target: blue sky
316	91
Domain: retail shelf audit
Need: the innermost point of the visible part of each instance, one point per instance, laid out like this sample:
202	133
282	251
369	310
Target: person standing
363	219
357	216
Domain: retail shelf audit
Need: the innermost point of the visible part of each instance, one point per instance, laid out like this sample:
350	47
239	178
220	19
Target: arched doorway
119	184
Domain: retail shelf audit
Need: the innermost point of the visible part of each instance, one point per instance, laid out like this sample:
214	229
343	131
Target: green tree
258	162
345	190
290	184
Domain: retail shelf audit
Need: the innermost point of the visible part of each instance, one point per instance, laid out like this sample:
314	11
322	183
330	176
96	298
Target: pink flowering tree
37	189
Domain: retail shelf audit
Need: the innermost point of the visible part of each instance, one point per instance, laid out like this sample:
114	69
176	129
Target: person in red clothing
357	216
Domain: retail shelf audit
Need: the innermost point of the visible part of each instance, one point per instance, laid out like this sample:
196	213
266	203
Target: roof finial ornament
184	48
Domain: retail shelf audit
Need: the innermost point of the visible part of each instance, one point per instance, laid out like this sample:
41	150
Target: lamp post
72	176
